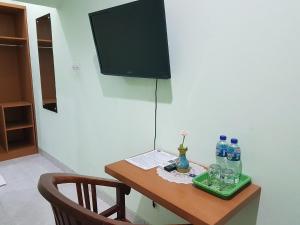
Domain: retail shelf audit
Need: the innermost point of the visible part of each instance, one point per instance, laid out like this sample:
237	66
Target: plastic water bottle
221	152
234	159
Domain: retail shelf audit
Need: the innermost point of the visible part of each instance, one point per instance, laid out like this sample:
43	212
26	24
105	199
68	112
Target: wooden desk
185	200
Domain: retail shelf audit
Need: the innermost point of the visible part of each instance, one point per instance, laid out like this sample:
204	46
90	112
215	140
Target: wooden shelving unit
46	60
17	117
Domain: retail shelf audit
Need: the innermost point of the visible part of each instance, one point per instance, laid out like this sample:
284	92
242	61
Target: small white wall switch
76	67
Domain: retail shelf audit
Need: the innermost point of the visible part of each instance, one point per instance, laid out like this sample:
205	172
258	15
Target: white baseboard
56	162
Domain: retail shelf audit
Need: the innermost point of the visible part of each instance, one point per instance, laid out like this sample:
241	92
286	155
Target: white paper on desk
151	159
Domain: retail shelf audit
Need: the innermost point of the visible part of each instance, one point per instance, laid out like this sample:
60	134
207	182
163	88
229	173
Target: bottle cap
234	141
223	137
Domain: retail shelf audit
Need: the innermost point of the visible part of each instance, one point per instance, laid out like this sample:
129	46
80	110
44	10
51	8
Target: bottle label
234	156
221	151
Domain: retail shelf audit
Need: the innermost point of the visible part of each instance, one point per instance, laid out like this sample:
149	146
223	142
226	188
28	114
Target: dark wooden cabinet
17	117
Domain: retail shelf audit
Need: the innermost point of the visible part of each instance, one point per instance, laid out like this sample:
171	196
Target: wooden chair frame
85	212
68	212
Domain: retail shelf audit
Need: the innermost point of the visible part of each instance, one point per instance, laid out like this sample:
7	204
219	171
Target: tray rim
218	193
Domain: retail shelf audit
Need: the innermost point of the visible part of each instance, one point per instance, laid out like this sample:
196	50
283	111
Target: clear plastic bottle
234	159
221	152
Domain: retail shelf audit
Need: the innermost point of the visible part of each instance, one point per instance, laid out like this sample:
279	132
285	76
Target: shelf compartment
19	139
18	117
14	73
12	22
43	25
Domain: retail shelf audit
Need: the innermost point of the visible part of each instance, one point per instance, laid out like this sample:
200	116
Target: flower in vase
183	133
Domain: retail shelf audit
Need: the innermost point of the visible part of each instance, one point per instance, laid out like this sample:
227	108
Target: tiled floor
20	201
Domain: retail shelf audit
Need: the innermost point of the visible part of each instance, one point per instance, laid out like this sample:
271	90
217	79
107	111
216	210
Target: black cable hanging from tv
155	124
155	115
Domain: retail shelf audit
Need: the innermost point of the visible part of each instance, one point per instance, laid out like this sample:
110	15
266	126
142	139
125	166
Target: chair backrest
85	212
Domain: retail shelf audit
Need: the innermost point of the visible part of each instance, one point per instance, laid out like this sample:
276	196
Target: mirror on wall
44	37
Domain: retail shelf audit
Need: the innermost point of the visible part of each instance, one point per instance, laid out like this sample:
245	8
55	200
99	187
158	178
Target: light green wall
51	3
235	70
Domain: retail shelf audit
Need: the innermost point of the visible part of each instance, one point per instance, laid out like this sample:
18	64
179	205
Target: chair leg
121	215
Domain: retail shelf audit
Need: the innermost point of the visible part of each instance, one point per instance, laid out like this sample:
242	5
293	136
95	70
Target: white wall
235	71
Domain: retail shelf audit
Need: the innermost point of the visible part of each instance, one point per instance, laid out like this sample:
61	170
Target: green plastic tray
228	192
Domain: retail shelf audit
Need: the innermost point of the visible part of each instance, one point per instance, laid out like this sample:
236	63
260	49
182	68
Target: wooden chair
85	212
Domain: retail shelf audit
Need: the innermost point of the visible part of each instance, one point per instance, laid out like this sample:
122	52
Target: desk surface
185	200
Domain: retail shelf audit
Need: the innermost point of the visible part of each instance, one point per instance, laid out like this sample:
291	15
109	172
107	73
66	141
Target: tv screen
131	39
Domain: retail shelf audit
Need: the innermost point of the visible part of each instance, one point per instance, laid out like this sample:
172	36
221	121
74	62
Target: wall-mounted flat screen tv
131	39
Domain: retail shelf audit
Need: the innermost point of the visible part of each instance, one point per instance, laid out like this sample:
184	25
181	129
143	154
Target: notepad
151	159
2	181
